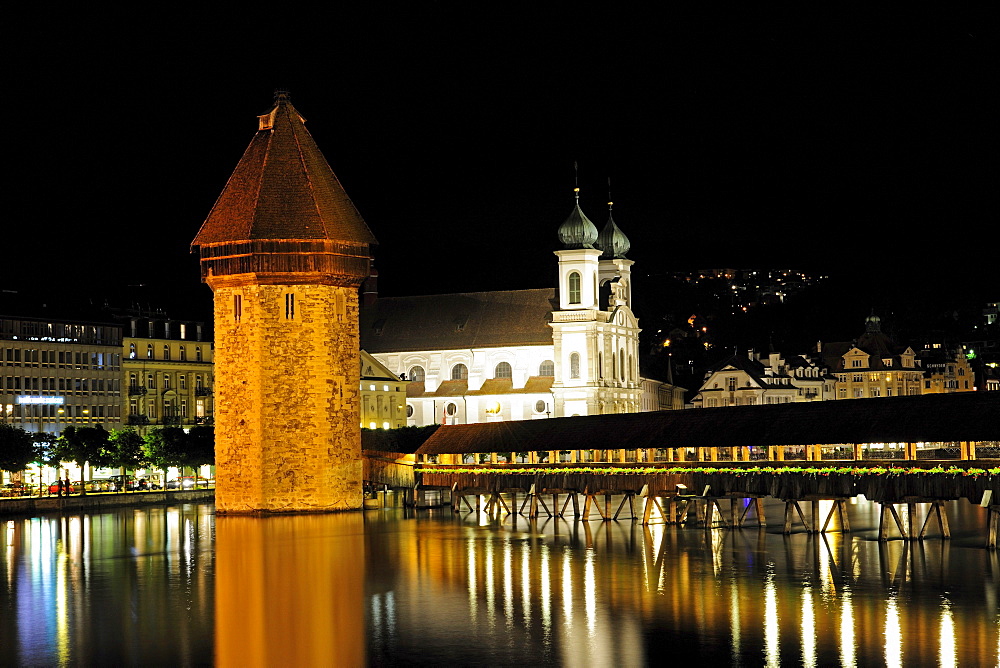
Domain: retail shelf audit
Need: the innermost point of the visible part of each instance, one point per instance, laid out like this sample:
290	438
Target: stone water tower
284	251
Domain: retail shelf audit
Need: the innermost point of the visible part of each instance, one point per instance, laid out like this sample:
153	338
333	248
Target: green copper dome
577	231
612	241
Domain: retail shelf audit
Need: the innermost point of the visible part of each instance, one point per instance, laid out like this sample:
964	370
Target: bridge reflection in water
151	586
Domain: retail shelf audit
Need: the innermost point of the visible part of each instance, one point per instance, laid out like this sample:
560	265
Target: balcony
136	390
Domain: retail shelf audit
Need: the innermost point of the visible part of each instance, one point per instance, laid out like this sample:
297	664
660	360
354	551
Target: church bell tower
284	251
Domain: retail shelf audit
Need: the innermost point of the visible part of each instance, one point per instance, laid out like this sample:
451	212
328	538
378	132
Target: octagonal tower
284	251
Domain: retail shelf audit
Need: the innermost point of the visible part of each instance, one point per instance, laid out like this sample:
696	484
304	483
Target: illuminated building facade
750	380
168	373
383	396
520	354
874	366
284	251
59	373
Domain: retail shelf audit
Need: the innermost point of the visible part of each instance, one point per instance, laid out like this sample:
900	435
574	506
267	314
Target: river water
178	586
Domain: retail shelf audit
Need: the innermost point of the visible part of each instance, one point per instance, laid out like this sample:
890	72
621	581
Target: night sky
849	144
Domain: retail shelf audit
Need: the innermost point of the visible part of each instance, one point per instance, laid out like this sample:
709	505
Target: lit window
574	287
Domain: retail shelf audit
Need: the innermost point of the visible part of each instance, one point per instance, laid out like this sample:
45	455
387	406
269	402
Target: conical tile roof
283	189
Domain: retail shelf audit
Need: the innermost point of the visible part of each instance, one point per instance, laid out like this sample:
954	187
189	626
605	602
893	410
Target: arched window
503	370
621	362
547	368
166	351
459	372
574	287
149	351
631	368
131	351
416	374
574	365
600	365
197	354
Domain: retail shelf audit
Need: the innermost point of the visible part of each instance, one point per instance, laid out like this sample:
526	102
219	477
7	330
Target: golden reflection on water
290	591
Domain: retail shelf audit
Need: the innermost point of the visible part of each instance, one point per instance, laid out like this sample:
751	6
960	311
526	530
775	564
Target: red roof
283	188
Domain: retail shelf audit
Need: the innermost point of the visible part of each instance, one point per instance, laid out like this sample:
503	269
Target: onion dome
873	323
577	231
612	240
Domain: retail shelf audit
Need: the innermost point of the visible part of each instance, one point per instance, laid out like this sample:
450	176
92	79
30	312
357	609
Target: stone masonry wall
287	430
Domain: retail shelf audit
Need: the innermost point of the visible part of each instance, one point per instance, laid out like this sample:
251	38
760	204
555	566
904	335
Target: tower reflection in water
290	590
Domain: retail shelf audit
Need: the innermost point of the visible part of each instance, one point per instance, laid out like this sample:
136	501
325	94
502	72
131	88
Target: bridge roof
962	416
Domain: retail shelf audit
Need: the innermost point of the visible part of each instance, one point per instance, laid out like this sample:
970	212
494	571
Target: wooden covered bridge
901	450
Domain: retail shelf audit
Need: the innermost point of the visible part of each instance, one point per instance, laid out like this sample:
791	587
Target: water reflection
178	586
290	590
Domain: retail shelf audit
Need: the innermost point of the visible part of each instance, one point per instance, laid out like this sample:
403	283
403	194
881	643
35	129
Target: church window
459	372
503	370
574	287
621	362
574	365
540	406
409	411
290	306
631	368
600	365
451	409
547	368
237	307
417	374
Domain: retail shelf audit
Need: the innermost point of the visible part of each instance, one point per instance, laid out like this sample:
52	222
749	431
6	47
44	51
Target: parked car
74	488
12	489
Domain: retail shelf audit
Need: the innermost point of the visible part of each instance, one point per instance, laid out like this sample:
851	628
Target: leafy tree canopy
127	449
84	445
17	449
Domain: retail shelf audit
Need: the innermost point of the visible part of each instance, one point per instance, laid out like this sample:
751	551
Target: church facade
571	349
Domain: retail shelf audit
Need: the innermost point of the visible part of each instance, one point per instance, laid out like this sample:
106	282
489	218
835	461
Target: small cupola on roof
577	231
612	241
284	211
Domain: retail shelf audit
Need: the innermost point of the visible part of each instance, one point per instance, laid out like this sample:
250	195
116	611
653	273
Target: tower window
574	365
459	372
237	307
503	370
574	287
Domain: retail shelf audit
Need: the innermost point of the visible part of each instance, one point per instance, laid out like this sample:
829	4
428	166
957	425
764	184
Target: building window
574	365
574	287
197	354
183	352
290	306
503	370
166	352
409	411
451	409
149	351
459	372
182	379
732	384
166	382
417	374
540	406
237	307
131	351
621	362
547	368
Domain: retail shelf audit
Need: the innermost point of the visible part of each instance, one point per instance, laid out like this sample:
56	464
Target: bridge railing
827	452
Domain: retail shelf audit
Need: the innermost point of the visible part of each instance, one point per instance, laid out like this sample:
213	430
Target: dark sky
844	143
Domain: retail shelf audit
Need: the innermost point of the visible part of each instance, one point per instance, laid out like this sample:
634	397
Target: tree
165	447
126	450
84	445
201	446
17	449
